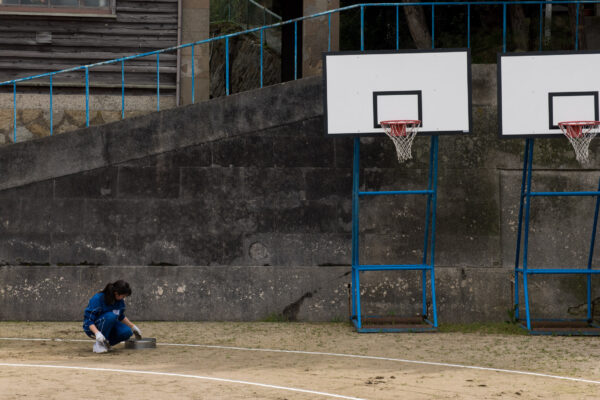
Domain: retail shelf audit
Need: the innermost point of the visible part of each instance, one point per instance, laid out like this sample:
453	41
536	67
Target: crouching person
104	318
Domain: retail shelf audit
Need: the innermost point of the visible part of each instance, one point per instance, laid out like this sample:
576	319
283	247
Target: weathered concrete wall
239	293
195	26
240	207
68	114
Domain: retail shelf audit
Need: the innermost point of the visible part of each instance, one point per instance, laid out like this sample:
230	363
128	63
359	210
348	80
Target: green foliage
512	312
241	12
339	320
275	317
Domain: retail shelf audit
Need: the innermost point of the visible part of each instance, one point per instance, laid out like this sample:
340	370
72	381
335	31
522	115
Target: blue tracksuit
107	319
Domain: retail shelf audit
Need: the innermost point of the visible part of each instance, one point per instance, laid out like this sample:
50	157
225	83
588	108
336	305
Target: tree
520	27
417	25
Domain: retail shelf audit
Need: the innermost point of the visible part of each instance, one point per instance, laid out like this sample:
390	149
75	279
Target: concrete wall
68	114
239	208
195	26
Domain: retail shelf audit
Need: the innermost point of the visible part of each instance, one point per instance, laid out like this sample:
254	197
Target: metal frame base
562	327
559	327
378	324
365	324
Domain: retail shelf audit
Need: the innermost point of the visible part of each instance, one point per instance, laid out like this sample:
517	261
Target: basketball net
402	133
580	134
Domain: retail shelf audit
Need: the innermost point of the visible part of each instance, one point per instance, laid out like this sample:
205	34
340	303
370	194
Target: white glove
100	338
137	332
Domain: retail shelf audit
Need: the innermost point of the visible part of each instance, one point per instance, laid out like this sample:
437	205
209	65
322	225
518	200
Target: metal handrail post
157	82
397	27
193	78
504	27
15	112
541	29
468	26
577	26
433	26
122	89
87	96
362	28
328	32
295	50
50	100
227	66
261	57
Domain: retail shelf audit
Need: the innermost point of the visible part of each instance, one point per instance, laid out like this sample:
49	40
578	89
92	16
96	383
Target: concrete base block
250	293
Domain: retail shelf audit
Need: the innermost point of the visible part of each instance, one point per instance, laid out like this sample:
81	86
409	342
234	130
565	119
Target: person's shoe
100	347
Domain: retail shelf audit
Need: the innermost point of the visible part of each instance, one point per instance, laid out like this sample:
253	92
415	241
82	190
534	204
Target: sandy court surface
312	361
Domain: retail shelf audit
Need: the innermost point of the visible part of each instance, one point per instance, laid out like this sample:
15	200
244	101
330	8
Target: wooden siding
140	26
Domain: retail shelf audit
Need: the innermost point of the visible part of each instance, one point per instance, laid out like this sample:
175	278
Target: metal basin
137	344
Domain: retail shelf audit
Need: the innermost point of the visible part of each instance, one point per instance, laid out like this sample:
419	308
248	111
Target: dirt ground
318	361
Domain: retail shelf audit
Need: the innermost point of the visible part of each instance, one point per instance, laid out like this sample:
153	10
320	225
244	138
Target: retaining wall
239	208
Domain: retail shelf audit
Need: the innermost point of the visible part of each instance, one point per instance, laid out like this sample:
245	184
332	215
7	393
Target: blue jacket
97	307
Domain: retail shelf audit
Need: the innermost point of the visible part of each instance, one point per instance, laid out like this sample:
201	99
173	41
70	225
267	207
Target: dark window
92	7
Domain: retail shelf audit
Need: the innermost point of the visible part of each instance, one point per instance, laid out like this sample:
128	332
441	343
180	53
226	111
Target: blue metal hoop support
526	196
428	248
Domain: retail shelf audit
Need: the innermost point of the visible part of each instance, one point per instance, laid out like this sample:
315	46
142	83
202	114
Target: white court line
208	378
318	353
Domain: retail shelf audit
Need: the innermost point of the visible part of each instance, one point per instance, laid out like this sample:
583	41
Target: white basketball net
580	134
402	133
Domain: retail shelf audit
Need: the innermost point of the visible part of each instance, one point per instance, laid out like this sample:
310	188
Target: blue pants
112	329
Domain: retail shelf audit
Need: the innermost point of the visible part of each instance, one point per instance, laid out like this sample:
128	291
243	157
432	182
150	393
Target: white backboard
364	88
536	91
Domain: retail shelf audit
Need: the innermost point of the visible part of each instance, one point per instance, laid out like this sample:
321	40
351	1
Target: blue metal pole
577	27
355	227
397	27
541	28
14	112
51	121
468	26
426	238
432	26
591	256
295	50
434	141
261	58
520	227
362	28
526	239
87	96
329	32
157	82
227	66
193	78
504	27
122	89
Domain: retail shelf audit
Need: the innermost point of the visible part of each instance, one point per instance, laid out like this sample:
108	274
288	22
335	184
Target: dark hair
118	287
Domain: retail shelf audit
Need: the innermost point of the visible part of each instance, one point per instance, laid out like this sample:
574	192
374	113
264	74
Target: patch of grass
501	328
337	319
275	317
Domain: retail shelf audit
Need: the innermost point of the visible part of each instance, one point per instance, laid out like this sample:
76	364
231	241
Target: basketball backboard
536	91
364	88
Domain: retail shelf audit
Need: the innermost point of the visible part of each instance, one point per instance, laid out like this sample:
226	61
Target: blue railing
262	29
